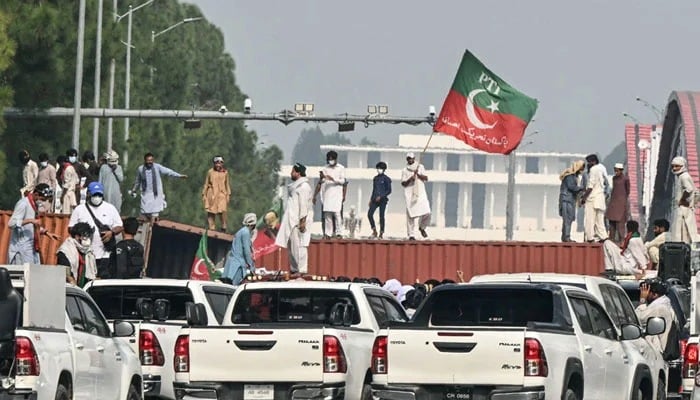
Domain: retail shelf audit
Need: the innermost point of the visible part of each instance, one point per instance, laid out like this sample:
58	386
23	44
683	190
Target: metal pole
98	73
127	90
510	195
79	75
112	71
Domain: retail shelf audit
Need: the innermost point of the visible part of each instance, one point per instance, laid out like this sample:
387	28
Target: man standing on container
568	191
413	180
149	179
617	212
594	201
683	228
293	233
381	189
332	179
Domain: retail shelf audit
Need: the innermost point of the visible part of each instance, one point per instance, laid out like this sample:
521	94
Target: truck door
84	380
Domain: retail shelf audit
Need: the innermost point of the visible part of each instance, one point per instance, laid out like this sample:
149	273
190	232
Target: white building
467	189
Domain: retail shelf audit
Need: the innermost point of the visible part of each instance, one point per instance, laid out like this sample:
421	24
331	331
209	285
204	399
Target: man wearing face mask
30	173
381	189
26	227
413	180
150	183
240	259
106	222
332	179
293	233
70	184
81	170
683	227
47	175
76	255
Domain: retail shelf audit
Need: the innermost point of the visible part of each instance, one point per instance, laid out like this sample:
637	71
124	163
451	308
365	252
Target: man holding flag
484	111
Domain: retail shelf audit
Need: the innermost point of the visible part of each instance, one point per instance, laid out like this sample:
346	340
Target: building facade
467	189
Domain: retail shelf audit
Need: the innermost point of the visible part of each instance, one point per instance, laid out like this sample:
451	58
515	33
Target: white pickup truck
286	340
509	341
157	308
55	344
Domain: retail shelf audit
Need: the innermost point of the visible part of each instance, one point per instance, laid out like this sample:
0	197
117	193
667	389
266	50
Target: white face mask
96	200
85	242
331	162
380	171
72	159
44	164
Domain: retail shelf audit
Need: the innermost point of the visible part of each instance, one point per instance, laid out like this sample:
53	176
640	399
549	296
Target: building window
451	205
479	162
532	165
478	205
373	157
427	160
453	162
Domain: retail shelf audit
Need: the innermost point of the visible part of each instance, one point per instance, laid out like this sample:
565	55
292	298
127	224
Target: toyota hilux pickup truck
613	297
509	341
157	308
55	344
286	340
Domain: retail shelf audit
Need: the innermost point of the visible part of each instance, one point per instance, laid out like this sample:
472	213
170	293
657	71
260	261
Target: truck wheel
661	390
366	392
62	392
134	393
570	395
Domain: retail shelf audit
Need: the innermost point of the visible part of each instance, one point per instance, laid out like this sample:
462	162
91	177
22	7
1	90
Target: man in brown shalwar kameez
216	194
618	209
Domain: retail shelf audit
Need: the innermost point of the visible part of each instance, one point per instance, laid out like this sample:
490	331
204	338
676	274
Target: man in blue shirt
381	189
240	259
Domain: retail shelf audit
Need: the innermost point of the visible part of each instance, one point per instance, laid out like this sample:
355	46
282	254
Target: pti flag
267	228
483	111
202	267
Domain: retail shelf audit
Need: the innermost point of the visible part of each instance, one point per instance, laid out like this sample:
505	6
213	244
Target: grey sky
584	61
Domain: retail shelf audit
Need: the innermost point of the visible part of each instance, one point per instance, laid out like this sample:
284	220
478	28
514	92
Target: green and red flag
202	267
484	111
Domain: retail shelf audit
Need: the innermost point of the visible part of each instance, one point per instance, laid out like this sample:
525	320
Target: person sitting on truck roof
661	227
76	254
631	257
653	302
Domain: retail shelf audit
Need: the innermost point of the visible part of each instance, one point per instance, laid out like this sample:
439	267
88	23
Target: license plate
458	394
258	392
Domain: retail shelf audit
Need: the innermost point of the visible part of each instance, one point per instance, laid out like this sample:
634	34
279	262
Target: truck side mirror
196	314
123	329
655	326
162	309
145	308
631	332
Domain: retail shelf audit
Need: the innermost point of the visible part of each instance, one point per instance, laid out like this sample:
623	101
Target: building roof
433	149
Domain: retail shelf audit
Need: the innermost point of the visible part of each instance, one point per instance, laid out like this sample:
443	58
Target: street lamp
510	187
653	108
154	35
631	117
306	109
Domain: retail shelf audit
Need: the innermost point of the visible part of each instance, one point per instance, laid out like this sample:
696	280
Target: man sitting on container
631	257
661	227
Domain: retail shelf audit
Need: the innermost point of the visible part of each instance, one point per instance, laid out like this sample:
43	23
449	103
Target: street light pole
77	100
127	87
631	117
510	194
112	71
98	73
154	35
653	108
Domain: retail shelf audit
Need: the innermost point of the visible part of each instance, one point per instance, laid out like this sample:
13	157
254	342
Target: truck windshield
290	306
119	302
491	307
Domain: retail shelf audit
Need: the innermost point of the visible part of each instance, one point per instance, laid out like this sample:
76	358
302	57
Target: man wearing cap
216	194
111	177
104	219
26	227
149	180
332	179
413	180
653	302
683	227
618	210
594	201
294	234
240	259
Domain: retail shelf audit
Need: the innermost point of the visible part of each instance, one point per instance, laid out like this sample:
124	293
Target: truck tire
570	395
661	390
134	393
62	392
366	392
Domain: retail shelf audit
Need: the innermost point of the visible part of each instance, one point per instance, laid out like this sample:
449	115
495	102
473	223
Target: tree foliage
7	52
307	149
617	155
185	68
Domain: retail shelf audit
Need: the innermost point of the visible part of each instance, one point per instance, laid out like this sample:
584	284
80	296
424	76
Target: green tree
186	68
367	142
618	154
7	52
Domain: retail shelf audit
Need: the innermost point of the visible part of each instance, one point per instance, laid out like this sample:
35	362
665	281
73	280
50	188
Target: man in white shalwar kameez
150	183
413	180
293	233
631	258
25	226
594	201
332	182
683	227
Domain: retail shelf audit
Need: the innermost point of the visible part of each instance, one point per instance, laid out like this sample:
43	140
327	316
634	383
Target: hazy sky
585	61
